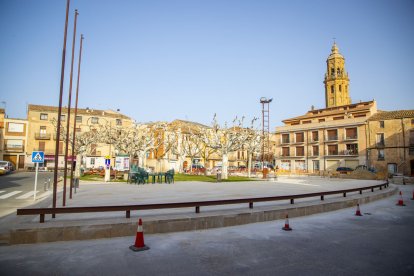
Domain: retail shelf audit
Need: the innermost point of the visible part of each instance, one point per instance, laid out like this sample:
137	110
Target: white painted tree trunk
141	157
225	162
78	165
249	165
181	163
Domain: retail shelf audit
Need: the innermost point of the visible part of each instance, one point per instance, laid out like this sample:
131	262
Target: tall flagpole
69	105
76	112
62	76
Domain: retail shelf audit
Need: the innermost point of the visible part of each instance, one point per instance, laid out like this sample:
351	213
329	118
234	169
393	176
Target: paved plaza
333	243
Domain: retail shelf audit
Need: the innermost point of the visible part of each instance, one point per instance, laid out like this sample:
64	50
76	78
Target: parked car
6	166
344	169
258	166
363	167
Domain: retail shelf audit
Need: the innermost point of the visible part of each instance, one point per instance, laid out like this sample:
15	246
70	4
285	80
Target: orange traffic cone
400	201
139	239
358	212
287	227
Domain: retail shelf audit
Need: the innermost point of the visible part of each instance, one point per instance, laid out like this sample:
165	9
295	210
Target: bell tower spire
336	80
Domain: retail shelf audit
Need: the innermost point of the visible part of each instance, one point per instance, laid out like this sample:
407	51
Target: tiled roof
91	112
389	115
330	111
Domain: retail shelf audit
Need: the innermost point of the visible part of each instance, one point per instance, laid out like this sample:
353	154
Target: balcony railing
349	152
285	141
42	136
351	137
380	144
333	152
314	140
332	138
13	148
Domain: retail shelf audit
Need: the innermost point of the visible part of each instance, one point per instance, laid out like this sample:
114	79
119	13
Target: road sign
38	157
107	162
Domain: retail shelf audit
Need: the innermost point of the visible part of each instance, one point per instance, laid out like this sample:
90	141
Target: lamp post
62	76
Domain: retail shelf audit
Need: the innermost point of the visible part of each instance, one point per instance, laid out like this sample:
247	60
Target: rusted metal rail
197	204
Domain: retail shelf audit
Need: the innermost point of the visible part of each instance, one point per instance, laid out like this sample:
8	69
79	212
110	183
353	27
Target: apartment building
324	139
390	142
15	141
42	122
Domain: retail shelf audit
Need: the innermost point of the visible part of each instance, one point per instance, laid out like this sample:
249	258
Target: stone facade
391	142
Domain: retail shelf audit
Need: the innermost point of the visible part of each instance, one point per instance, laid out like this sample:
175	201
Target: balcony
351	137
42	136
380	144
333	153
14	148
285	141
299	141
349	152
331	139
314	140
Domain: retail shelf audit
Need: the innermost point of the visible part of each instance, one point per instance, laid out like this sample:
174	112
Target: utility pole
62	76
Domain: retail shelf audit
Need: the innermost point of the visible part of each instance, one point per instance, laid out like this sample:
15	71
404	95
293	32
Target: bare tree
251	144
225	140
83	143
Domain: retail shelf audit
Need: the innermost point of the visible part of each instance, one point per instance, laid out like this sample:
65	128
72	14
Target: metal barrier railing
197	204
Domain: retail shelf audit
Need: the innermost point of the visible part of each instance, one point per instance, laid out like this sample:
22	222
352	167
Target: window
315	136
381	155
300	151
92	161
381	124
118	122
62	117
332	149
332	134
338	118
307	122
285	138
351	149
321	120
332	89
94	120
332	71
79	119
43	116
299	137
42	146
315	151
285	151
412	122
340	88
60	147
380	140
351	133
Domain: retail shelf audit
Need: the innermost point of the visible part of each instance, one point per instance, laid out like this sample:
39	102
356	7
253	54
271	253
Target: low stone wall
86	230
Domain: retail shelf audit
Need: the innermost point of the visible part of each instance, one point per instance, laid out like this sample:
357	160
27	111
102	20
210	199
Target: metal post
76	113
62	76
68	119
35	185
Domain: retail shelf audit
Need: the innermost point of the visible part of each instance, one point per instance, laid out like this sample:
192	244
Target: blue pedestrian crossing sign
38	157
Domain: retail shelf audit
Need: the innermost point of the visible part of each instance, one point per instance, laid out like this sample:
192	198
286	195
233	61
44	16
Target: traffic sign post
37	157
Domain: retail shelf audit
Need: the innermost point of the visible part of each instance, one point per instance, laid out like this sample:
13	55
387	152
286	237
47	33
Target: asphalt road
17	190
336	243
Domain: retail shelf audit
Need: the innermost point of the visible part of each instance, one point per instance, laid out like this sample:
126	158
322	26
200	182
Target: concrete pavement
26	229
334	243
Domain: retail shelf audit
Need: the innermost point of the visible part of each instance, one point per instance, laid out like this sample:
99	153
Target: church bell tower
336	80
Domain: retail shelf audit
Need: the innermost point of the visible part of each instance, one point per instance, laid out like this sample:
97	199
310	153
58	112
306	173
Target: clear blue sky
188	59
